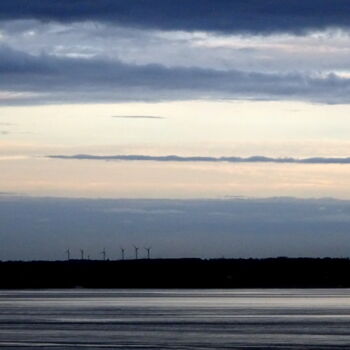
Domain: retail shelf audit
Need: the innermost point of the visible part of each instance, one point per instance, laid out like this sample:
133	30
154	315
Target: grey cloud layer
174	228
51	58
276	53
172	158
61	79
207	15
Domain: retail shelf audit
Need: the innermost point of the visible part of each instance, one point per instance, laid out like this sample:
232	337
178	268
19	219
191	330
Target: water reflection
176	319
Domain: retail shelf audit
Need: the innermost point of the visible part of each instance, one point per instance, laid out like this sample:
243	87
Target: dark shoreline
177	273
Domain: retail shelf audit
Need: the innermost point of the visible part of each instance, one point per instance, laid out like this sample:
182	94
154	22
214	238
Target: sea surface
175	319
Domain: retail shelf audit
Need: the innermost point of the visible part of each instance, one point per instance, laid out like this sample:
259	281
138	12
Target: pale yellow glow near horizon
203	128
119	179
186	121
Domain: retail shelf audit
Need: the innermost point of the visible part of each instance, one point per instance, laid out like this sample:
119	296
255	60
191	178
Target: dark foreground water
175	319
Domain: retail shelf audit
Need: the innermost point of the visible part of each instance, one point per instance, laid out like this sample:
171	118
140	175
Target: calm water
176	319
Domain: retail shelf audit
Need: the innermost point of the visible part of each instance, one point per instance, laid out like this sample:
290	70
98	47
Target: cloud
51	79
10	194
257	16
174	228
137	117
145	211
174	158
275	53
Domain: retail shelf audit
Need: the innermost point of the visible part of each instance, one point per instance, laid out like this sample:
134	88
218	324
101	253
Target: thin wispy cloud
10	194
175	158
137	117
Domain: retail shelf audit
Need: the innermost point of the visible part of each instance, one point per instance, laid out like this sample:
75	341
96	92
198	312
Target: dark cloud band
220	15
174	158
51	79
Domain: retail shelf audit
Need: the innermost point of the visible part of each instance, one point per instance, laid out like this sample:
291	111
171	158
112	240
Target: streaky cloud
252	16
52	79
175	158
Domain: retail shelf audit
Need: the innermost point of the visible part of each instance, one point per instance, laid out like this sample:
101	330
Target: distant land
178	273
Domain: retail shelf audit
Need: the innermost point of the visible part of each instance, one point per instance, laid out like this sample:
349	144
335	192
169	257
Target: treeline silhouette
177	273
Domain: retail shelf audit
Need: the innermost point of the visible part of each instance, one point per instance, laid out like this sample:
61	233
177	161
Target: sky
186	100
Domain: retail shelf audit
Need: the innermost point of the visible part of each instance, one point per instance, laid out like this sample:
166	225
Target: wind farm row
83	255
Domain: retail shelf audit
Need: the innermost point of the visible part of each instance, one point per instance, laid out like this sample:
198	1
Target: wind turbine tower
103	254
123	252
136	252
82	254
68	254
148	250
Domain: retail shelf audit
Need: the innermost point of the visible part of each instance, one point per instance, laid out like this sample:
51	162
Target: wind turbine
148	249
136	252
104	253
82	254
123	252
68	254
